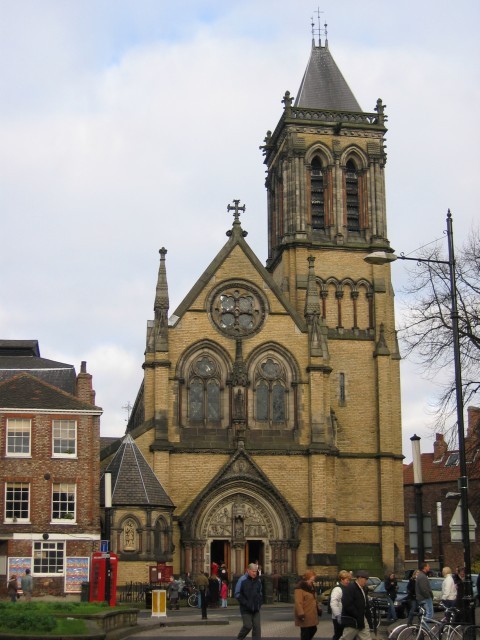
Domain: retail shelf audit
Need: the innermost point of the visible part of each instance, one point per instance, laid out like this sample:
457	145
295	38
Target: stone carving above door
238	518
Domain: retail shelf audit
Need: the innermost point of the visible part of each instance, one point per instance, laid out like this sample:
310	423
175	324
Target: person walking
391	591
356	616
172	594
12	588
423	590
248	592
336	603
202	584
306	606
449	588
411	596
26	583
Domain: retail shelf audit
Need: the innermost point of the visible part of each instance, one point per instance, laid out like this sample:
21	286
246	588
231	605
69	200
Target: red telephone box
103	564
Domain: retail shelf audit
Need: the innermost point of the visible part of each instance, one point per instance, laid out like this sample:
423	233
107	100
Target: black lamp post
108	508
439	530
381	257
418	484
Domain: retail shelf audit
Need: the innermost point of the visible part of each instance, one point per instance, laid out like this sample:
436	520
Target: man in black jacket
355	610
250	598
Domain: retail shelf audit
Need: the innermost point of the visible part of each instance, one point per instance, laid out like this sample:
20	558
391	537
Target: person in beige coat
306	607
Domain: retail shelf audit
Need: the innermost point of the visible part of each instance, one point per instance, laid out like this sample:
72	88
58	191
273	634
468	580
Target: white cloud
128	126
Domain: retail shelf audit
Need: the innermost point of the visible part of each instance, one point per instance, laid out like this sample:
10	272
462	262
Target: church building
269	413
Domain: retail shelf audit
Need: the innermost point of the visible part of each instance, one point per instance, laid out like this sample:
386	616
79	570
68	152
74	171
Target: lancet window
161	538
352	197
317	195
204	390
271	394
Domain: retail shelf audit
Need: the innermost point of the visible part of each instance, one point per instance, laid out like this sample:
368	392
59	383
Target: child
224	593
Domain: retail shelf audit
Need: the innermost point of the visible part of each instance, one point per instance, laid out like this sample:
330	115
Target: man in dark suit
356	616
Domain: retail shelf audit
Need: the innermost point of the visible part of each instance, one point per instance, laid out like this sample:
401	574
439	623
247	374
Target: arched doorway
240	517
237	528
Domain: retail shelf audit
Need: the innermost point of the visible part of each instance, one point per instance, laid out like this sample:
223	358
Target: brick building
440	473
49	471
270	405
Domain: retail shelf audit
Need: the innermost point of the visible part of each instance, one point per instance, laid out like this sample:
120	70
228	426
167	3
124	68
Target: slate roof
26	391
19	348
323	86
133	480
24	355
444	469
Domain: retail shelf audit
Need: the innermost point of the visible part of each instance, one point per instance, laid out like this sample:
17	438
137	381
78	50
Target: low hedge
27	620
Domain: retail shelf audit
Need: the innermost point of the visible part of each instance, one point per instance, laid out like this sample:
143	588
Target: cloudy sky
128	125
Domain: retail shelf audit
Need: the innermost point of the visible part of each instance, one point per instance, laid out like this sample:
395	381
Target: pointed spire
161	306
323	85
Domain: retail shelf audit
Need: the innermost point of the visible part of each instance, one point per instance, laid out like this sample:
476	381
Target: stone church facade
270	406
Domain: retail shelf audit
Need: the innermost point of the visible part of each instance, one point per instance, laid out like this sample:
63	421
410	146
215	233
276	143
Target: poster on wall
17	566
76	572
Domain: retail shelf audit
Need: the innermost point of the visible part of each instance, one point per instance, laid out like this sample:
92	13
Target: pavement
277	622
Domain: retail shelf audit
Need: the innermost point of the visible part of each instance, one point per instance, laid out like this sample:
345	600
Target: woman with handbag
307	610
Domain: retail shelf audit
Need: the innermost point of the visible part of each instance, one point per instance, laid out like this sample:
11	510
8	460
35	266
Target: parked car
372	583
401	605
436	584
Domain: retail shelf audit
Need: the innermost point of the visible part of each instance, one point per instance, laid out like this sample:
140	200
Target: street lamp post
381	257
439	530
418	482
108	508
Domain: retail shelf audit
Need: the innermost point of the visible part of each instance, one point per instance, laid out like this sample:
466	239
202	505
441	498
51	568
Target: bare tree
426	331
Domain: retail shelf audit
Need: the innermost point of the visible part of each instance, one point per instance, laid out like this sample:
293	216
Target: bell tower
325	182
326	212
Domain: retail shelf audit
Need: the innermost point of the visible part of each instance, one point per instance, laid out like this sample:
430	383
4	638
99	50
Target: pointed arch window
317	195
162	544
352	195
204	391
270	392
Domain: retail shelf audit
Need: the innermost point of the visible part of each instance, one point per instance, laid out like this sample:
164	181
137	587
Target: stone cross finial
236	208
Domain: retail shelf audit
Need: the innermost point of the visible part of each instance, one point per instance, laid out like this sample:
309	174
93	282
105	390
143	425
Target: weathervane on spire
319	29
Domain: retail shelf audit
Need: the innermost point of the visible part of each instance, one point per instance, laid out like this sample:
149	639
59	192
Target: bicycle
430	629
420	631
192	599
375	612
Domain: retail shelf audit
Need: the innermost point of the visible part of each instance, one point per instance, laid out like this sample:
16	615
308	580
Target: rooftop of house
442	465
17	356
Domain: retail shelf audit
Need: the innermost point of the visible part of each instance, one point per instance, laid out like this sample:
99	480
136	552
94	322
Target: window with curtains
63	502
18	437
64	438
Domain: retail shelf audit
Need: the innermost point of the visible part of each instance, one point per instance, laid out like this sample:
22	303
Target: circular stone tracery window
237	309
